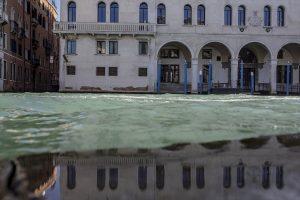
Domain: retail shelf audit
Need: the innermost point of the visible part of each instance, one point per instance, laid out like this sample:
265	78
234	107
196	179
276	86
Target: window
169	53
71	70
143	13
160	177
71	177
113	71
4	41
241	16
0	68
201	15
101	12
143	48
186	177
267	16
142	177
100	71
71	47
280	16
114	13
187	15
72	12
101	47
161	14
4	70
101	178
13	46
143	71
113	47
227	16
200	179
113	178
20	50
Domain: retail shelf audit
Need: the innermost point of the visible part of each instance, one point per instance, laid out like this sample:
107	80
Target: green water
36	123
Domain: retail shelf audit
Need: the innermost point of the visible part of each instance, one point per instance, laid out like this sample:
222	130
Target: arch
143	13
201	15
286	44
241	15
227	15
178	43
281	16
262	44
229	48
71	11
101	12
267	16
114	12
161	14
188	14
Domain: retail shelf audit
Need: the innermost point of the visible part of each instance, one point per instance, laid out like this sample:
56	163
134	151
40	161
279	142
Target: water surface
53	122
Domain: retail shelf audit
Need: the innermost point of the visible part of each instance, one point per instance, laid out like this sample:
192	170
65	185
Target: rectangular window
13	46
20	50
100	71
4	41
0	68
71	70
113	71
143	48
11	71
143	71
71	47
113	47
101	47
4	70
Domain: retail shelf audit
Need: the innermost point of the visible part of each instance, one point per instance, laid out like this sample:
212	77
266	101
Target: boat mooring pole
200	86
252	83
242	75
158	78
209	77
185	77
288	71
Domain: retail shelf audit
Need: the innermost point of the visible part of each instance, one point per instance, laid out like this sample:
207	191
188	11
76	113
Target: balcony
106	28
3	18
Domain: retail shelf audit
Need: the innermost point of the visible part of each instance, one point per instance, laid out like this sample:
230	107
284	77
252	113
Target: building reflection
257	168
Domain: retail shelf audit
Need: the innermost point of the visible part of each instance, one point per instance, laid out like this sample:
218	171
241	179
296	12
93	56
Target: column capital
234	61
273	62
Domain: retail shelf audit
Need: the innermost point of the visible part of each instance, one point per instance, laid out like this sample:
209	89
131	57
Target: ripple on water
54	122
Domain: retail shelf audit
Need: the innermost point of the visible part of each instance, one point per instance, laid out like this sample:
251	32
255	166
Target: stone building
177	46
28	48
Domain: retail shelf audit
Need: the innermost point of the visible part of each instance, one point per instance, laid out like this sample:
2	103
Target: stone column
273	76
195	76
234	73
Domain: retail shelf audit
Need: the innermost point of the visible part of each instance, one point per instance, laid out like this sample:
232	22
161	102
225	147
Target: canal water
54	122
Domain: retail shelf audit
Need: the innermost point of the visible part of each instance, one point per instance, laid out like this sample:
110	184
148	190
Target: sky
57	3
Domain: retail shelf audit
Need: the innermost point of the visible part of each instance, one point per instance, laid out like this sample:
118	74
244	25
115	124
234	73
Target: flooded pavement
254	168
41	123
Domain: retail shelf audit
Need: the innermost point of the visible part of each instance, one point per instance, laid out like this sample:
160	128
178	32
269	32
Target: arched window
201	15
101	12
142	177
143	13
72	12
113	178
161	14
114	13
280	16
267	16
187	15
71	177
227	15
160	177
242	16
101	178
186	177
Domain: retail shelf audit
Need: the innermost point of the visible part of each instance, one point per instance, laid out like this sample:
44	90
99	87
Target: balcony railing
104	28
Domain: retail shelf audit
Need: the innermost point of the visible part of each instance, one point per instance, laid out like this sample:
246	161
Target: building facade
28	49
179	46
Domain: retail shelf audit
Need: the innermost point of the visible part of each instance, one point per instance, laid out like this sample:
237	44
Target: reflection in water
259	168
